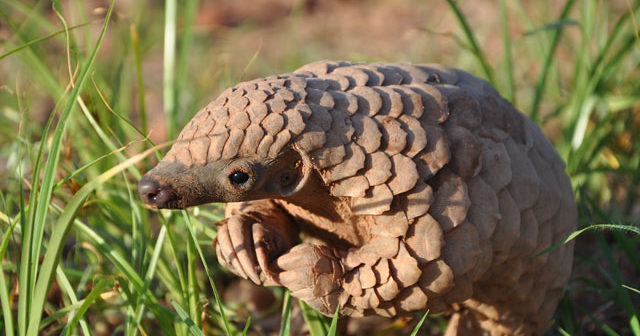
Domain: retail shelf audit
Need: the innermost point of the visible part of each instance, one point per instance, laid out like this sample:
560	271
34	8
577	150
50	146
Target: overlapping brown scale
205	124
496	164
546	206
416	135
280	141
390	75
462	238
451	202
464	147
332	153
221	116
484	212
379	247
322	98
436	278
181	153
411	73
484	260
411	101
320	116
276	105
464	109
367	132
424	239
272	123
355	186
404	268
293	121
235	93
317	83
390	224
369	101
256	96
344	101
391	101
352	284
353	161
252	138
238	119
382	271
436	110
388	290
377	168
366	276
237	104
295	81
416	202
376	201
404	174
438	73
386	309
218	139
257	112
285	95
232	146
341	126
525	185
507	230
394	138
411	299
435	155
356	76
526	243
312	138
463	290
199	147
337	81
265	145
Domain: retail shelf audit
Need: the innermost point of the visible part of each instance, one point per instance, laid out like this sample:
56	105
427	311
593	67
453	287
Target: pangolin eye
238	177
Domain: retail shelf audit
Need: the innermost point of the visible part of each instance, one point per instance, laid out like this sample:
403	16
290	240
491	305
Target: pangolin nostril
152	193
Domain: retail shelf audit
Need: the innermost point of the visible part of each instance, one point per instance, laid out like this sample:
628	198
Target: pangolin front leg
252	236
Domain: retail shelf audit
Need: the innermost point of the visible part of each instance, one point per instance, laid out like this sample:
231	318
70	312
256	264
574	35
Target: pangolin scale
382	188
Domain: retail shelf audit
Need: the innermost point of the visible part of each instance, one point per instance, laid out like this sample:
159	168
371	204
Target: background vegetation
86	87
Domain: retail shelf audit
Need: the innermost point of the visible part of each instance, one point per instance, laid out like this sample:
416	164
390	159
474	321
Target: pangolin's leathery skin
451	188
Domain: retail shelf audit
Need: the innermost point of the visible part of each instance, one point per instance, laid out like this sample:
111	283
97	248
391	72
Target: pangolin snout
154	194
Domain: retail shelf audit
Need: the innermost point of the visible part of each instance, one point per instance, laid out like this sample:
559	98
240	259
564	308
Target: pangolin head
247	144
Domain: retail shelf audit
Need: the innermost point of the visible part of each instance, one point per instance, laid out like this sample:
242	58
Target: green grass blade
43	38
56	242
7	314
168	93
333	328
285	321
184	318
509	93
315	321
49	172
246	326
86	303
419	325
546	65
475	49
142	109
631	289
575	234
209	274
66	287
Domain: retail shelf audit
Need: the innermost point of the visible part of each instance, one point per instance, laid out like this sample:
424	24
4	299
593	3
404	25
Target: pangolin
381	189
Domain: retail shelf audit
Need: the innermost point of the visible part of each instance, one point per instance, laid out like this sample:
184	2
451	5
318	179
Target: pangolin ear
291	178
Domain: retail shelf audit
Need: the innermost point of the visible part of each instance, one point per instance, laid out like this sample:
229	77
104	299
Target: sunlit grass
72	223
